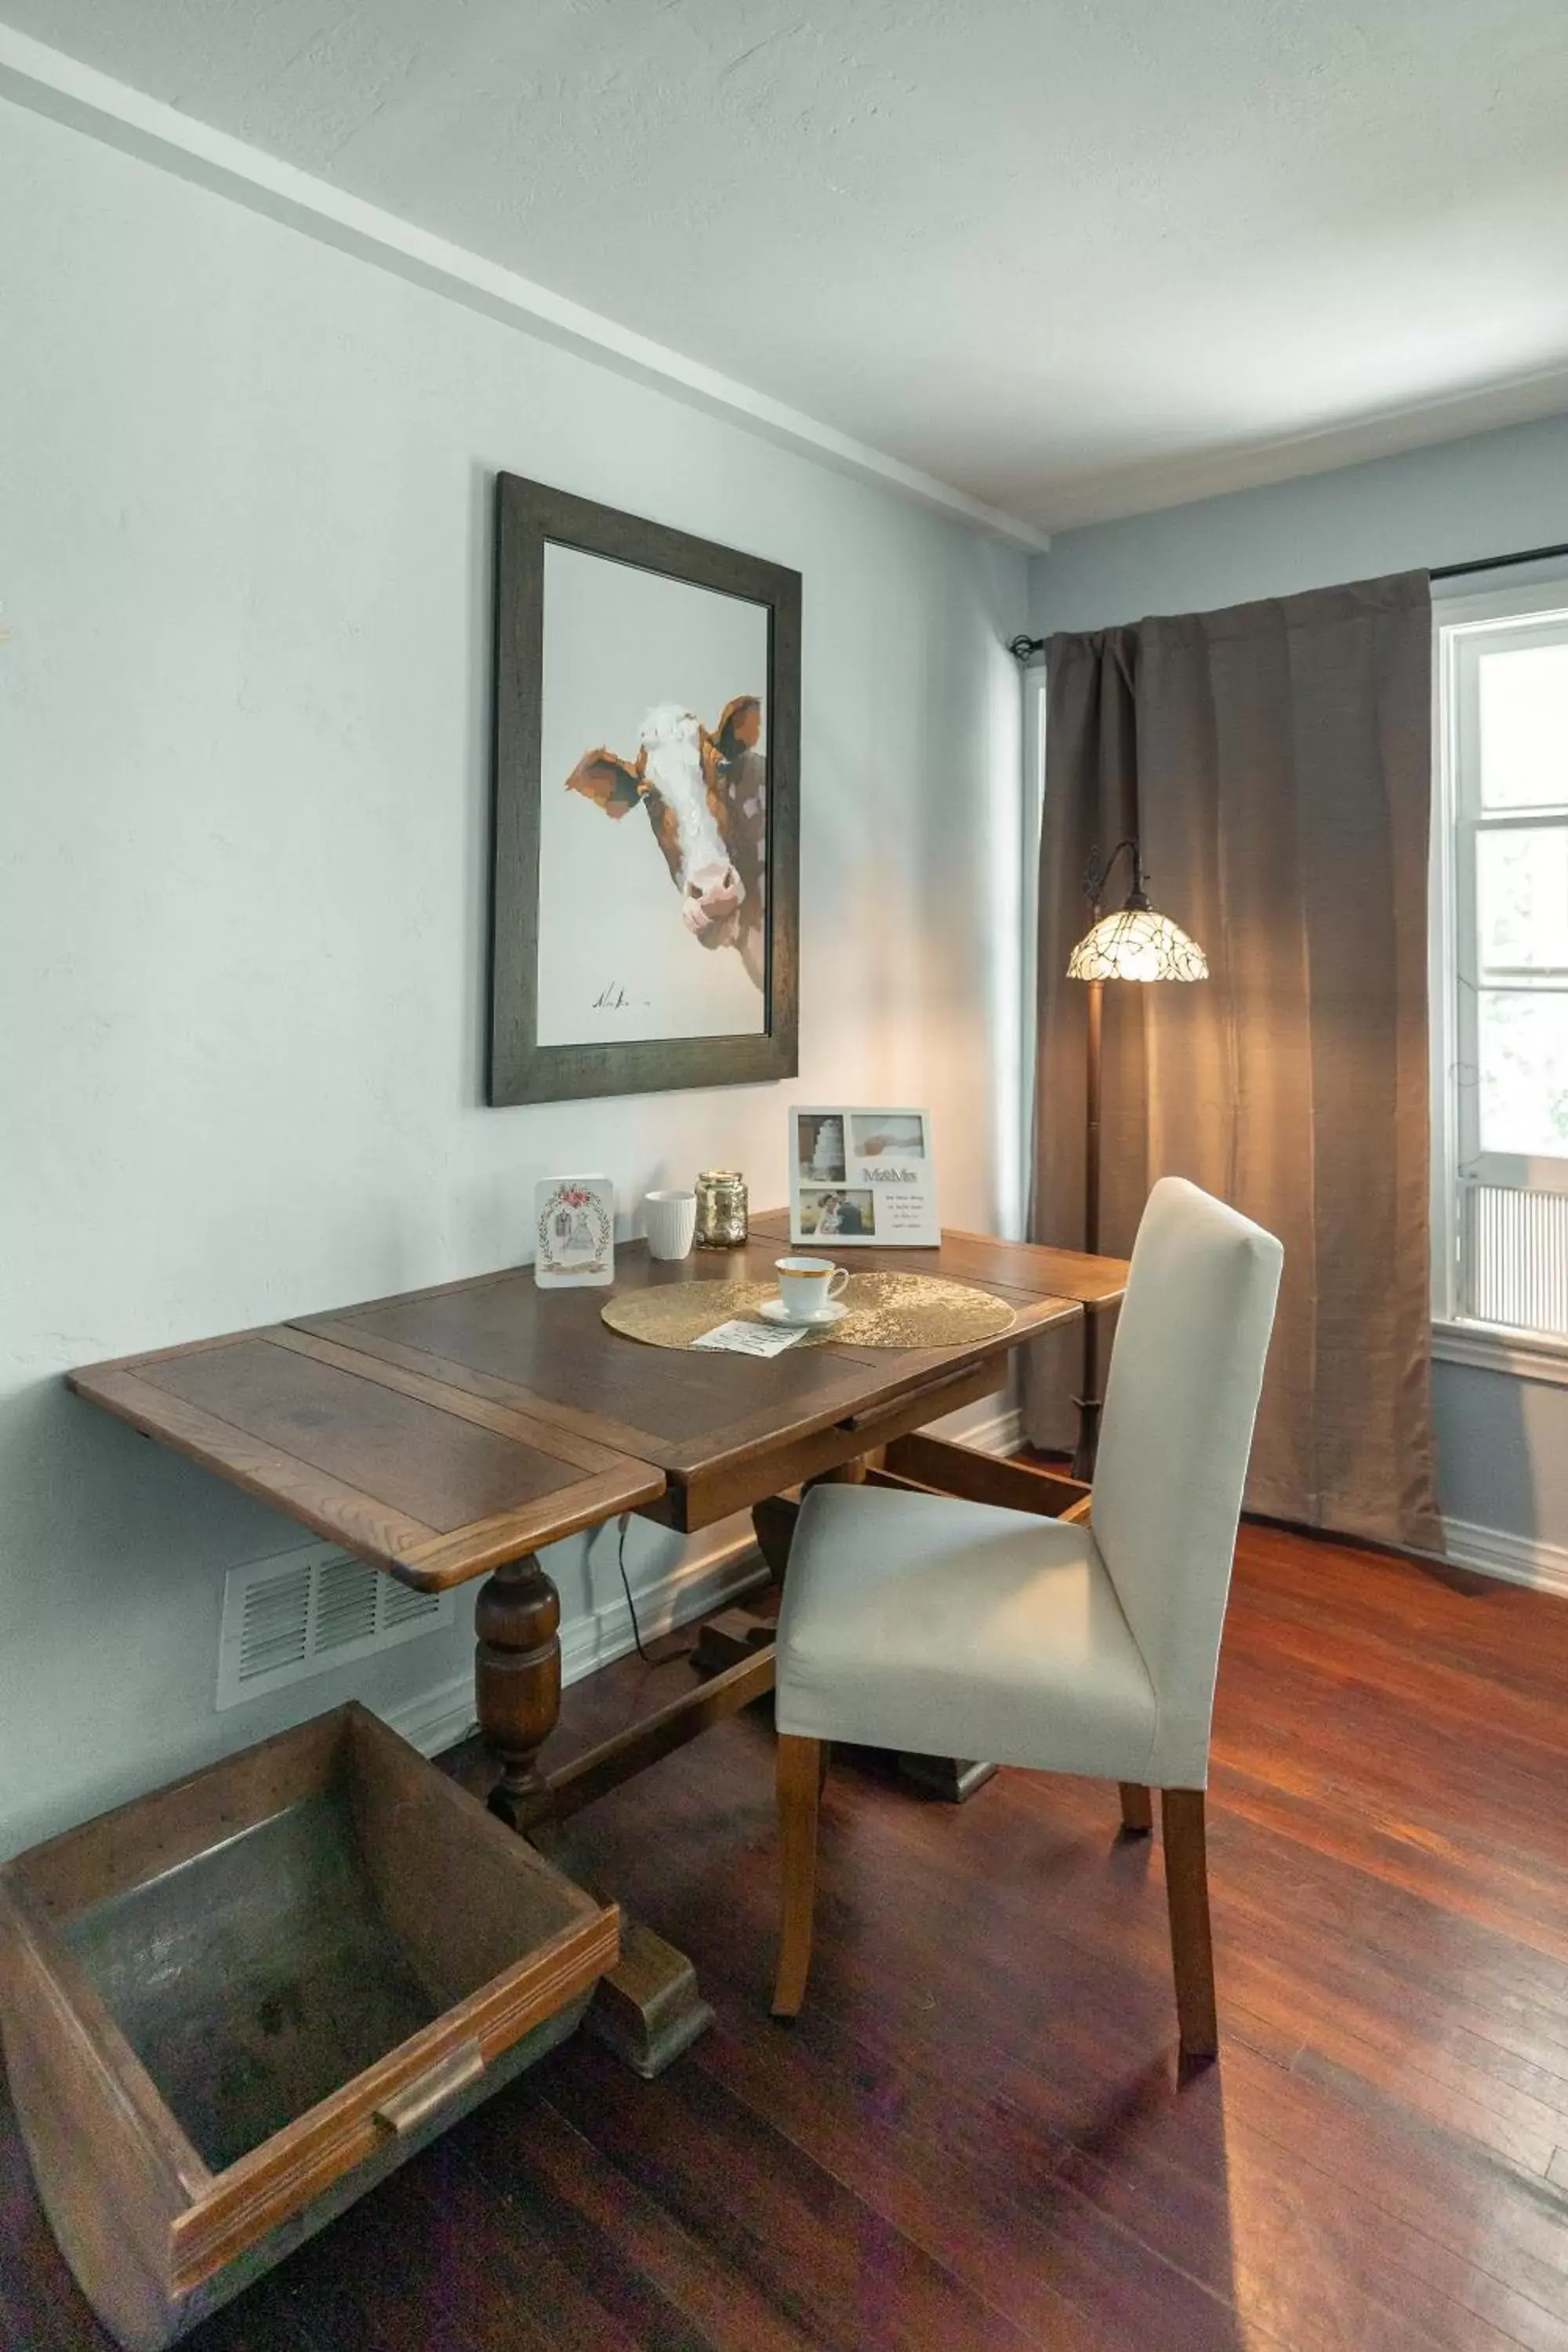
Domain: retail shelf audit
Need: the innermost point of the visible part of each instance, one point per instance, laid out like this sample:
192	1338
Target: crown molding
48	82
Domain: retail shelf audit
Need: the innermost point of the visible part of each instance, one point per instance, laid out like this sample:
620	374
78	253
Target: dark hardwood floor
974	2136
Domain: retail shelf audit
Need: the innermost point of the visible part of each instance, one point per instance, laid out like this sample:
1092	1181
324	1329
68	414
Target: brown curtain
1275	762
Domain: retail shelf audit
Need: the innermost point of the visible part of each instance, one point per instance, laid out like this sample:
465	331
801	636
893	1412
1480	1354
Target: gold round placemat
886	1310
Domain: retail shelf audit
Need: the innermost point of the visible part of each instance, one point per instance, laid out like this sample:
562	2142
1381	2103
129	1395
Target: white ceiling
1076	258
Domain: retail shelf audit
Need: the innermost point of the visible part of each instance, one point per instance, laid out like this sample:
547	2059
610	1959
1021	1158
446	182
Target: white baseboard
988	1427
1517	1559
437	1719
704	1581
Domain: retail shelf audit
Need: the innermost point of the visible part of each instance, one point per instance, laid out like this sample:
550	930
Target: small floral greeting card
575	1231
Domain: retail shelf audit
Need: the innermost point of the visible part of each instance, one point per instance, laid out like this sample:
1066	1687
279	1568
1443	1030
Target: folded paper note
742	1339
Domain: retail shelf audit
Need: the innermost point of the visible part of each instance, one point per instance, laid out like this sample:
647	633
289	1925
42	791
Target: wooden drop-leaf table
451	1432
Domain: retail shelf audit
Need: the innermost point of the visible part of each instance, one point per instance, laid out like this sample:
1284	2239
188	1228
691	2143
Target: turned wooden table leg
735	1633
517	1683
774	1519
954	1779
649	2009
772	1524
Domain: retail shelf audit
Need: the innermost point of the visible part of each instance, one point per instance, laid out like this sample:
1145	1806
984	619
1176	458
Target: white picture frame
574	1233
862	1176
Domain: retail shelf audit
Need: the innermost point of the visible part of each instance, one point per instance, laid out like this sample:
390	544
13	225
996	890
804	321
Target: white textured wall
1502	1442
244	488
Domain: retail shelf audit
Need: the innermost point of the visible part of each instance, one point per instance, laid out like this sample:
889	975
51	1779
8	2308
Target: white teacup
670	1221
807	1284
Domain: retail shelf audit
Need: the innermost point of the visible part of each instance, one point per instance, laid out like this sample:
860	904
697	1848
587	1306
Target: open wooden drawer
231	2007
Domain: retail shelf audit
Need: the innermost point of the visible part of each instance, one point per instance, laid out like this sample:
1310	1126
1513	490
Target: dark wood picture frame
530	516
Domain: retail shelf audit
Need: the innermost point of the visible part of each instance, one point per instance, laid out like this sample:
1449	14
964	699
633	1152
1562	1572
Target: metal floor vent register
302	1612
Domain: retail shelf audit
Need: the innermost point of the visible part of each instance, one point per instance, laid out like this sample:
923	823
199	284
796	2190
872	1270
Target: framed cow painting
647	749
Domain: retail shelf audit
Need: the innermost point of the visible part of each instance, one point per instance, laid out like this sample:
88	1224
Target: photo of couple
824	1214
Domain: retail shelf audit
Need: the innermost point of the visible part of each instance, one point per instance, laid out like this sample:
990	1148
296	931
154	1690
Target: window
1500	985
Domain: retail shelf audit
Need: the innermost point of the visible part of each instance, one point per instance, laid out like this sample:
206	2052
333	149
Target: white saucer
773	1310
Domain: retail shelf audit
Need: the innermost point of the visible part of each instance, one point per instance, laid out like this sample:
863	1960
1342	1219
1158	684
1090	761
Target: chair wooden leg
800	1776
1137	1812
1188	1894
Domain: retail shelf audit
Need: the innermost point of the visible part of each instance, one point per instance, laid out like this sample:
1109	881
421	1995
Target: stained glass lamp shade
1137	944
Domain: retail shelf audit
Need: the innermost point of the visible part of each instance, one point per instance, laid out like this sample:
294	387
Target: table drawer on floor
235	2005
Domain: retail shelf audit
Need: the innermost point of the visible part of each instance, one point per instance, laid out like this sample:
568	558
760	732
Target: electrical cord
632	1607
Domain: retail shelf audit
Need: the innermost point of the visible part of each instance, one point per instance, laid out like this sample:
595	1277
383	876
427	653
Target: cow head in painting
706	797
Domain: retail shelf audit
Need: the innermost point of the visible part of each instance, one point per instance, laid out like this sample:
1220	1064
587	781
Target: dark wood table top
441	1433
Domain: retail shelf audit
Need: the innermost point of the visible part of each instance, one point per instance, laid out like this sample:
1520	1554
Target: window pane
1522	900
1524	1044
1524	727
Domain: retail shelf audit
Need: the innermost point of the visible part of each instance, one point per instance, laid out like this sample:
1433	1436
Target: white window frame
1462	626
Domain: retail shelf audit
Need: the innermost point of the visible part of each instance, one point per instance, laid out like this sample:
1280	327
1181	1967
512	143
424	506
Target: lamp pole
1089	1403
1137	945
1096	875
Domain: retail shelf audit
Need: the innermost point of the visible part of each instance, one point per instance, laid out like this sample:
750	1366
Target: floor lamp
1133	944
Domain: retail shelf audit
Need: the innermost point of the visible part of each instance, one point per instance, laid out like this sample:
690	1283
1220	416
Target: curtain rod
1497	562
1023	649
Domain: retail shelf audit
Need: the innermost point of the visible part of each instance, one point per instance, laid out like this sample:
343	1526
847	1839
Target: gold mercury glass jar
720	1209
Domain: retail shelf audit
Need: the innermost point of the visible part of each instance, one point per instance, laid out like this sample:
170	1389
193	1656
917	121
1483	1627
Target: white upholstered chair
948	1627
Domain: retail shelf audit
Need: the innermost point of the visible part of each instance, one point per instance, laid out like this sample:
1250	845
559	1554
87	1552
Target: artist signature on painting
614	998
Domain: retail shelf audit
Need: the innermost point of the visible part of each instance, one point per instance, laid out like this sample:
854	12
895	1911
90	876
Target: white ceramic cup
669	1220
807	1284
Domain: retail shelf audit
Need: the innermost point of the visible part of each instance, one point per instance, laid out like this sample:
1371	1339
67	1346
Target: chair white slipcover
948	1627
